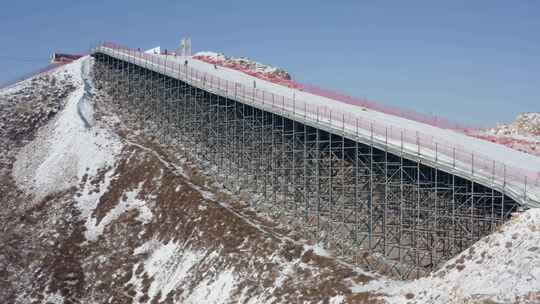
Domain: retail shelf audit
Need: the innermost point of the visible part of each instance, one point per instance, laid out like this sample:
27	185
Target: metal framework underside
376	209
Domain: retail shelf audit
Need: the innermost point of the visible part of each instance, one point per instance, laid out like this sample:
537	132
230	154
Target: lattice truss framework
378	210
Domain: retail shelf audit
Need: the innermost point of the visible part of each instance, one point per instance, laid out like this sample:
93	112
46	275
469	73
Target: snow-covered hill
96	210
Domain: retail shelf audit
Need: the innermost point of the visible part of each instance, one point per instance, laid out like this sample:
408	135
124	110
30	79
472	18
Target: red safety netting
522	145
387	109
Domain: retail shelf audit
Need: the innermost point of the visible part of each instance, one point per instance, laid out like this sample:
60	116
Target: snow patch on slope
67	150
336	300
87	203
318	249
213	292
53	298
130	202
64	150
169	266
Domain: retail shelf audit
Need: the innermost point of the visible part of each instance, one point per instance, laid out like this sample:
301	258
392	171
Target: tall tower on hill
185	47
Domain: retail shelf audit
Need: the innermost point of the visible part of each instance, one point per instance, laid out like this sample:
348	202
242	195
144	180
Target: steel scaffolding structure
380	210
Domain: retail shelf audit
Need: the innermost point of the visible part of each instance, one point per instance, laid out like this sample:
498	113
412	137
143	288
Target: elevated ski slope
509	171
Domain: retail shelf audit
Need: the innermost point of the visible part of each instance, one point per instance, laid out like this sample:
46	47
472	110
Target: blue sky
471	61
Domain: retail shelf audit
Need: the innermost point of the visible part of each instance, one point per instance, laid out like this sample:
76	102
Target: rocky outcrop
523	134
526	124
248	66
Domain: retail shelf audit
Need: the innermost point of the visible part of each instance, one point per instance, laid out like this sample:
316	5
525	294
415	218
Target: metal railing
524	185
